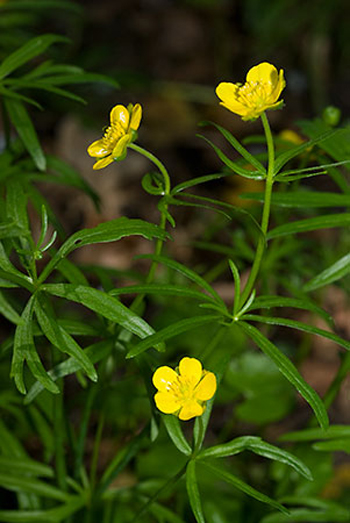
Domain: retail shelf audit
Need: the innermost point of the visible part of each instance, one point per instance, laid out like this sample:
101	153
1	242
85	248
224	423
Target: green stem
156	162
95	453
266	211
159	245
58	417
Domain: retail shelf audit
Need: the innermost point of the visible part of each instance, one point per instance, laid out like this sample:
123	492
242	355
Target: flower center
112	135
254	94
183	388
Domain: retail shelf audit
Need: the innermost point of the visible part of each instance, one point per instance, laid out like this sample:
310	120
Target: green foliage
78	354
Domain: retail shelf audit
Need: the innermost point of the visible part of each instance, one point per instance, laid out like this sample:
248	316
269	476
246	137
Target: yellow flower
183	391
260	92
124	122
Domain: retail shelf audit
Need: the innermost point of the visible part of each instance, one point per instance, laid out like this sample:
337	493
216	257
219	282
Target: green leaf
8	271
26	131
244	487
298	325
193	492
24	466
29	50
196	181
334	445
56	334
270	302
233	166
334	431
44	5
95	353
185	271
8	311
110	231
283	158
334	272
54	515
289	371
162	289
260	447
173	427
16	204
237	280
67	175
169	332
44	86
301	199
320	511
103	304
239	148
311	224
337	145
34	486
24	349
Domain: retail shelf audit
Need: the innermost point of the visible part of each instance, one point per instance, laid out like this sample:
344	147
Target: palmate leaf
334	272
289	371
193	492
310	224
260	447
244	487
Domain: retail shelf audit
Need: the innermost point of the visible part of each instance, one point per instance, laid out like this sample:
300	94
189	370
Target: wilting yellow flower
124	122
183	391
260	92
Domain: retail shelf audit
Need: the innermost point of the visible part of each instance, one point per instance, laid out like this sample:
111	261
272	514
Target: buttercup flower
124	122
184	390
260	92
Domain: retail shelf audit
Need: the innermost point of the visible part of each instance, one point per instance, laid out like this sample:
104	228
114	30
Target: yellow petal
135	119
121	146
191	369
228	94
279	87
166	402
206	388
163	378
97	149
190	410
120	114
100	164
264	73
